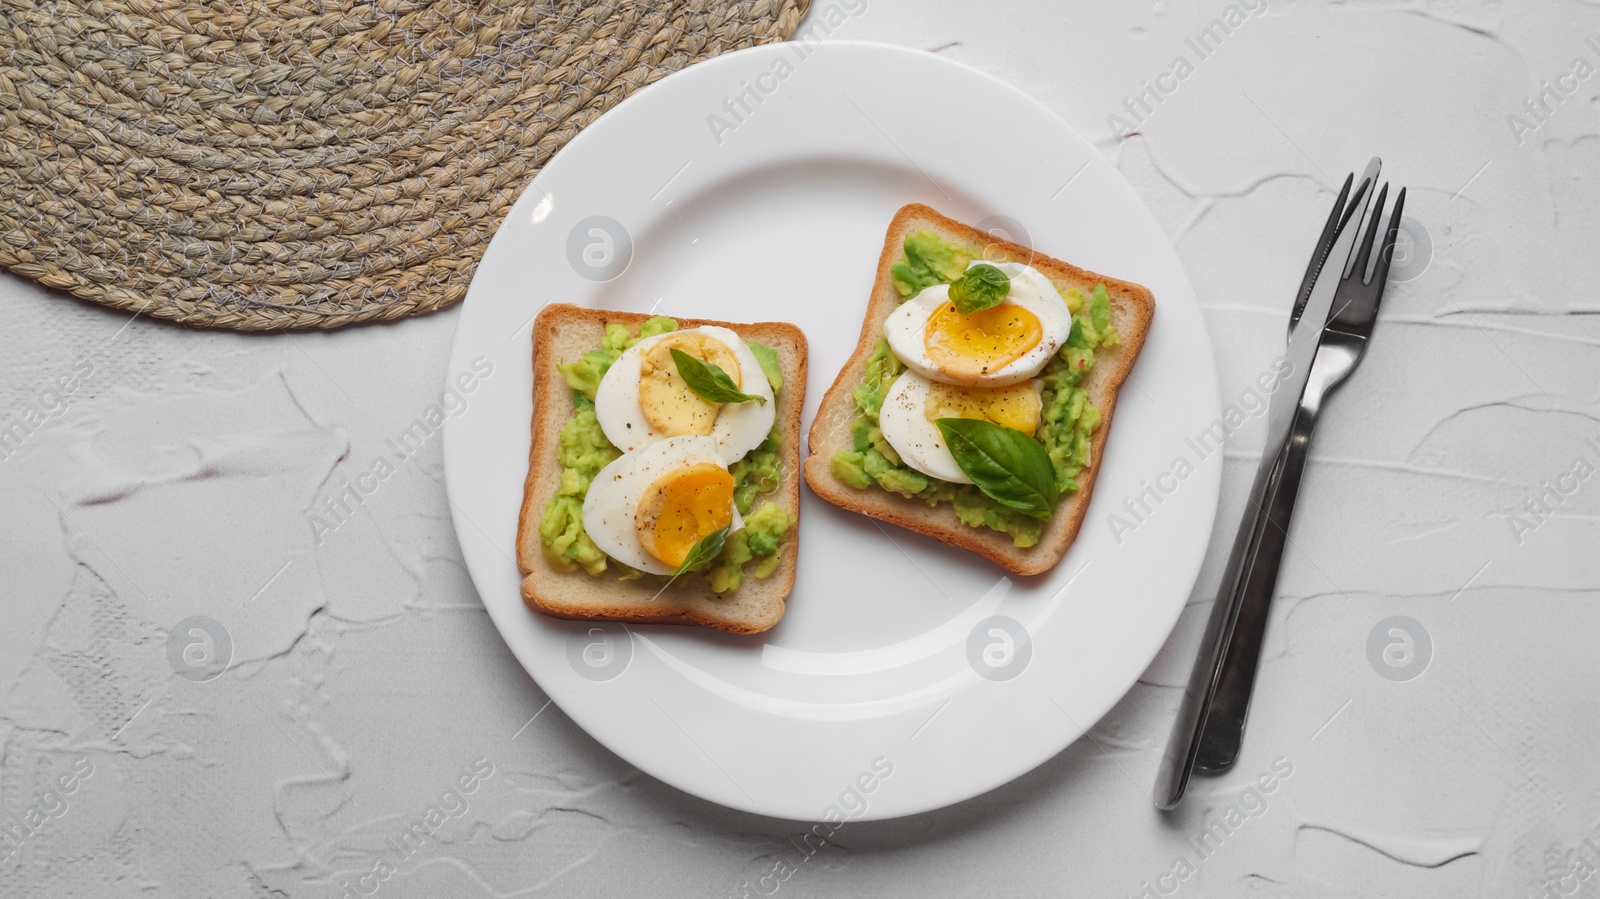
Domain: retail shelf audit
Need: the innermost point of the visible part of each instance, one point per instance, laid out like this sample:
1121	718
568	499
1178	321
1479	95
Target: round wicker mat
306	163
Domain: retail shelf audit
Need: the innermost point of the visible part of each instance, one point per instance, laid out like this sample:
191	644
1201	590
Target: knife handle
1194	709
1222	732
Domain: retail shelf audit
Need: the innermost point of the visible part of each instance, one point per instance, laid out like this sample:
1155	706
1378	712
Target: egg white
614	495
1030	289
903	419
739	427
907	428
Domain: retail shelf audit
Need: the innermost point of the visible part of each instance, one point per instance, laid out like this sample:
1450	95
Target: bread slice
560	334
1132	308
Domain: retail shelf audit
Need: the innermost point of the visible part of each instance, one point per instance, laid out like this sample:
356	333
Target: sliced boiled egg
993	347
669	406
914	403
1016	406
648	509
642	399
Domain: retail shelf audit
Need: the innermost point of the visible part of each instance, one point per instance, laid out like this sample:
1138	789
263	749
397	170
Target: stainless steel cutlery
1342	289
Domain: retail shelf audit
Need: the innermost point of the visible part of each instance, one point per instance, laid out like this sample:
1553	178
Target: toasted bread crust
1133	309
560	332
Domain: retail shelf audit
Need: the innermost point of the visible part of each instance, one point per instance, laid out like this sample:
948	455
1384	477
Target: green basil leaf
979	288
710	381
769	363
1010	467
709	547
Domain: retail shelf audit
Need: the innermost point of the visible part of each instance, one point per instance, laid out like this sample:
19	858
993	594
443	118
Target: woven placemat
306	163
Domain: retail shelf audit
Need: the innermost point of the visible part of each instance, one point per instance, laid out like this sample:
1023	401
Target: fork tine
1369	179
1386	255
1363	258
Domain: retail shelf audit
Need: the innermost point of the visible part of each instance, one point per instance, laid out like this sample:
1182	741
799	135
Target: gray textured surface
178	476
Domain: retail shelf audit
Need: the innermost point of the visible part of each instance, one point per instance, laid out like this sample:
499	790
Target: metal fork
1344	341
1370	176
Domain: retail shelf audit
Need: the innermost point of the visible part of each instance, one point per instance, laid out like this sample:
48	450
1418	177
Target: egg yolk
668	404
681	508
1016	406
969	347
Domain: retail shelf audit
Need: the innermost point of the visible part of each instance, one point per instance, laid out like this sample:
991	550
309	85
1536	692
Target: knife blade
1325	243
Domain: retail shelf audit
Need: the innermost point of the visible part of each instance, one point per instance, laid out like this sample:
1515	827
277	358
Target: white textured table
151	474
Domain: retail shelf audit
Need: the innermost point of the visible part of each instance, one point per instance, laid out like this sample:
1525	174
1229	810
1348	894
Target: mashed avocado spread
583	450
1067	420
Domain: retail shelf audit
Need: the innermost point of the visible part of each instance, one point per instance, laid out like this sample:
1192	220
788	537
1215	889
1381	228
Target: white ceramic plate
905	676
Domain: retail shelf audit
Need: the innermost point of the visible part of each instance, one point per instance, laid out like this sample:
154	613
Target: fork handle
1252	590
